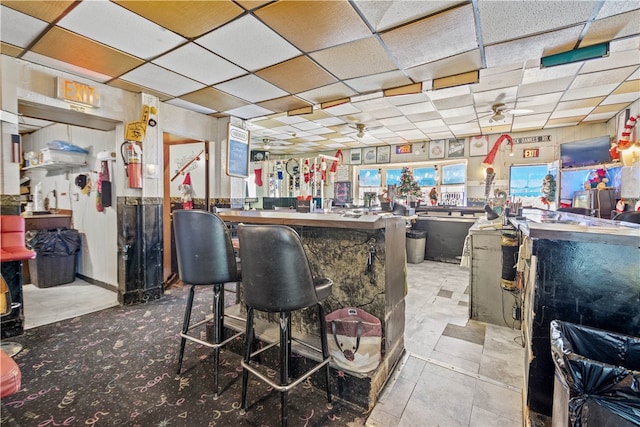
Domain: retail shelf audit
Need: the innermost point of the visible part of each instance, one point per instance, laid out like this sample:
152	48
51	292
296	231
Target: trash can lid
416	234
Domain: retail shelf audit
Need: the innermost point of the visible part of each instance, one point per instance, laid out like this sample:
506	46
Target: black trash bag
598	368
59	242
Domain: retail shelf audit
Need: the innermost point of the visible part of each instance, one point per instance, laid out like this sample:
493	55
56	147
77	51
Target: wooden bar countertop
364	221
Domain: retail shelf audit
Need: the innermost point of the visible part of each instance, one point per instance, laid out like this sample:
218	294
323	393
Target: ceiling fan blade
500	98
519	111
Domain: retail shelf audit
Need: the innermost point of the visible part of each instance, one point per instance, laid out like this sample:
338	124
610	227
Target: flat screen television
588	152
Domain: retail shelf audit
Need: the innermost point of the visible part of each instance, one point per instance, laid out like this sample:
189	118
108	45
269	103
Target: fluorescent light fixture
575	55
457	80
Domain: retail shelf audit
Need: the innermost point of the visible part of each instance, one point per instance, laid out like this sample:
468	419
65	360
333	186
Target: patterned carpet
118	367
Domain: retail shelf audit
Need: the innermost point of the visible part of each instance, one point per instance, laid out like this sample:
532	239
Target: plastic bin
56	253
596	377
416	242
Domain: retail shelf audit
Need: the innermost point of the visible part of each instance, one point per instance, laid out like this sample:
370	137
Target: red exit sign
531	153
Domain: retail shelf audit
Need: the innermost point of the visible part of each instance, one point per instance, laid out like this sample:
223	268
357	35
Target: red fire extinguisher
132	157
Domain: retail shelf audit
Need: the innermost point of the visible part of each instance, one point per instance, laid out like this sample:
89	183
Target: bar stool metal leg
325	351
185	325
218	330
248	340
285	351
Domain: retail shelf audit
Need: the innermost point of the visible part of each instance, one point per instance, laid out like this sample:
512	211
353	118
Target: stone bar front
338	247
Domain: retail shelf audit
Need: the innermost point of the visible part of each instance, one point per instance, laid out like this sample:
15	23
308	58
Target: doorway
185	179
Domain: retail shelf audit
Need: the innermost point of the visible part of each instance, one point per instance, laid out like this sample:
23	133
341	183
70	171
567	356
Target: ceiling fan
362	128
499	110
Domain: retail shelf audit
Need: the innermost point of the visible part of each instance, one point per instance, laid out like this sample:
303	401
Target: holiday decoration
306	173
597	179
433	196
408	187
625	137
257	169
488	161
548	189
491	175
334	165
323	170
187	192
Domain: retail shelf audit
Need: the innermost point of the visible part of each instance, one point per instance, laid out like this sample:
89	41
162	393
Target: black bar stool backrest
628	216
204	249
275	270
581	211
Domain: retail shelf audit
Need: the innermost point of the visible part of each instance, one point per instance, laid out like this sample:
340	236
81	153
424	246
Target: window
454	174
525	181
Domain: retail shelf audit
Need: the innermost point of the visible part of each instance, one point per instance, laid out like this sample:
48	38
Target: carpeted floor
118	367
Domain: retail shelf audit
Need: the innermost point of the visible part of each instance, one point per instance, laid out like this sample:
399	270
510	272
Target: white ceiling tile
614	76
385	15
290	120
190	106
411	135
399	100
432	126
417	108
453	65
465	129
588	92
115	26
599	117
400	120
18	29
453	102
306	125
534	46
629	43
529	123
531	102
508	20
162	80
449	92
330	121
36	58
560	114
484	100
251	88
535	75
614	60
548	86
249	43
343	109
620	98
440	135
327	93
374	82
199	64
610	8
248	111
498	81
458	112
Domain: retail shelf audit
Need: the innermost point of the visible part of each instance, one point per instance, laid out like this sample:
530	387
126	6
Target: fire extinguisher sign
238	152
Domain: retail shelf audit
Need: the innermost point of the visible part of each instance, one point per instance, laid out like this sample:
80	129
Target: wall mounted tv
587	152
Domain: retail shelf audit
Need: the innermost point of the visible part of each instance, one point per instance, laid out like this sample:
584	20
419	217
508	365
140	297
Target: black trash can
596	378
416	243
56	253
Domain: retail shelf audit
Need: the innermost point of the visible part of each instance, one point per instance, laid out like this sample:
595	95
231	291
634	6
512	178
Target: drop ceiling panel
190	106
449	33
10	50
327	93
46	11
214	99
535	46
615	27
284	104
614	60
548	86
251	88
613	108
115	26
68	47
199	64
160	79
355	59
297	75
453	102
314	25
249	111
383	15
630	86
19	29
375	82
457	64
587	92
248	43
187	18
121	84
505	20
534	75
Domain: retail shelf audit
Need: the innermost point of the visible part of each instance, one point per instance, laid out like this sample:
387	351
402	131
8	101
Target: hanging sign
531	153
238	152
79	93
532	139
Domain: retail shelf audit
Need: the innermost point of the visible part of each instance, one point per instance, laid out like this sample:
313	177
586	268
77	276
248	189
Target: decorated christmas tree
408	187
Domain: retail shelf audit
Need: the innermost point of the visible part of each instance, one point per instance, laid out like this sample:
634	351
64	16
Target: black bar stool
276	278
205	258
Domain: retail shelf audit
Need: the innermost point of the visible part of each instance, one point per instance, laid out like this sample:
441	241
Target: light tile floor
456	371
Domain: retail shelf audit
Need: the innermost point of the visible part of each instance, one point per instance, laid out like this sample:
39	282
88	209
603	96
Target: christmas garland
548	189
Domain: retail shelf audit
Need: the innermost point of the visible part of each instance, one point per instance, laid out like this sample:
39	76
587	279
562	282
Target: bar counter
582	270
339	247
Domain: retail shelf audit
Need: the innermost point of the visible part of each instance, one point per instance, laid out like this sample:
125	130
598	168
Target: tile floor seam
467	373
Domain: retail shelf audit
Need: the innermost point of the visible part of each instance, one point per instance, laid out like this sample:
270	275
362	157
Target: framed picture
383	154
369	155
436	149
621	121
478	145
341	193
455	148
355	156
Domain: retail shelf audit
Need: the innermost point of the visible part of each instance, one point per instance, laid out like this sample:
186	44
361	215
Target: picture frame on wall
355	156
369	155
383	154
436	149
478	145
455	148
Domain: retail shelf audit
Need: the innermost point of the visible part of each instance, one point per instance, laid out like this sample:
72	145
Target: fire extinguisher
132	157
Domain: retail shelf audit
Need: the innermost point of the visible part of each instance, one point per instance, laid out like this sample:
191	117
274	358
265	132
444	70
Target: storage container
49	155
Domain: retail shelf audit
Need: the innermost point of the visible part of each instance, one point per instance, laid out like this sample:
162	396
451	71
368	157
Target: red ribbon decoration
488	161
334	165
